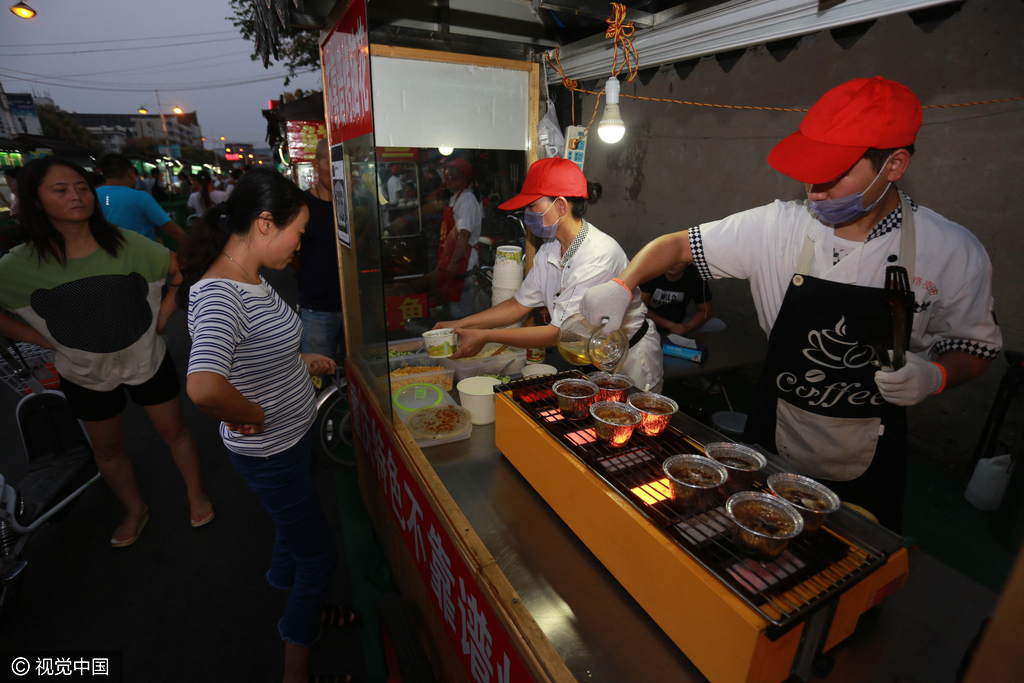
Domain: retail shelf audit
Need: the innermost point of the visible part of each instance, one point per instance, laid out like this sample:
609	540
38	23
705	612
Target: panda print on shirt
75	321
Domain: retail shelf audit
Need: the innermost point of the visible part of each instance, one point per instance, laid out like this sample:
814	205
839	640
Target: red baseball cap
848	120
463	166
554	177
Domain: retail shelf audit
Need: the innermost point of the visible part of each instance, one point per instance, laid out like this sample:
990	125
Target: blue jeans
322	332
304	550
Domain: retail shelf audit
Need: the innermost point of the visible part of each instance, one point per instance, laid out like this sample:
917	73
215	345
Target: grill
812	572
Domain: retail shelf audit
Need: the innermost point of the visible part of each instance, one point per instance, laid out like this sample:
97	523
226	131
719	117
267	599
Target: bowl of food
614	422
611	387
741	462
439	422
575	396
763	524
694	480
656	409
814	501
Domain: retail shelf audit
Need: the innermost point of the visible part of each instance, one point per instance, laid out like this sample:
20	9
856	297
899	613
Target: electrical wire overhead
128	40
114	49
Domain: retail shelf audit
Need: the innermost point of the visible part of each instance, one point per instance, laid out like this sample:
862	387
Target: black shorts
94	406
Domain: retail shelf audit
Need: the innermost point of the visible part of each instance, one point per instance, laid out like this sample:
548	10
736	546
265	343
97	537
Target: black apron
817	404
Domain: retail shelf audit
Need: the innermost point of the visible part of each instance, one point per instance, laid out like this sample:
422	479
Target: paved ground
182	604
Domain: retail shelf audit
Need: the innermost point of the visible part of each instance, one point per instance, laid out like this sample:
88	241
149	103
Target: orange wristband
943	371
626	287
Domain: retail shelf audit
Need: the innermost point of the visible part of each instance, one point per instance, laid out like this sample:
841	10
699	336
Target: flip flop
204	521
128	541
339	616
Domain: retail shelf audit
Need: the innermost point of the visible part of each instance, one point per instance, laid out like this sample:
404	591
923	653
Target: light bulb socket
611	91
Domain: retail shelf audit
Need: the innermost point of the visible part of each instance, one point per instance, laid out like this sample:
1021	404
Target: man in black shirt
317	263
667	297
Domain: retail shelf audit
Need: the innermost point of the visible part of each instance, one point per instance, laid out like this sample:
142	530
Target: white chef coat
395	186
559	282
468	217
952	273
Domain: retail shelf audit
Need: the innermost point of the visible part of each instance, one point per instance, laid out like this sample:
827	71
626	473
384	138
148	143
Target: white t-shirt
952	273
394	189
559	282
195	200
468	217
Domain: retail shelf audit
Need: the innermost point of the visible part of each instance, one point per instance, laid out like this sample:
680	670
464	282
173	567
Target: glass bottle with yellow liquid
581	343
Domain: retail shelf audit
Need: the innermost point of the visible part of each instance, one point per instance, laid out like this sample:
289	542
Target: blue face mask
535	223
847	209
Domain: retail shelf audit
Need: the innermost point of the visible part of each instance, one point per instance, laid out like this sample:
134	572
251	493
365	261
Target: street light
178	110
163	121
222	137
24	11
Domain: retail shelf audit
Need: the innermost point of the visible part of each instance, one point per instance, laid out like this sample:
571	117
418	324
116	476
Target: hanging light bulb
143	110
445	151
24	11
611	129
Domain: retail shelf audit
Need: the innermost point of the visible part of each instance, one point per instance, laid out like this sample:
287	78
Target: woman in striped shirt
245	369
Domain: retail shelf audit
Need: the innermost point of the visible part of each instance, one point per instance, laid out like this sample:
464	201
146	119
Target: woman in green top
91	292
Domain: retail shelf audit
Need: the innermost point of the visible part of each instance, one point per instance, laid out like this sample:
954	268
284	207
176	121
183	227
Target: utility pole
163	121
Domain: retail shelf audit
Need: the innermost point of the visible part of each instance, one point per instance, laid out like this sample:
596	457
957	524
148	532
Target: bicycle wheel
334	431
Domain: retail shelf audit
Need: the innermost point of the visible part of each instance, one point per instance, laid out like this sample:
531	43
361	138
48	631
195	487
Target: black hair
204	189
46	240
578	205
116	166
154	172
258	191
12	172
877	157
236	173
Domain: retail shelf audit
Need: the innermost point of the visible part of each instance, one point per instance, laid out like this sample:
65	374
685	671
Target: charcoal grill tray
812	573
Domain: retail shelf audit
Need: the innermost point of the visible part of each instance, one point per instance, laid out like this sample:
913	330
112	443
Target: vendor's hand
472	342
608	300
445	324
911	384
318	365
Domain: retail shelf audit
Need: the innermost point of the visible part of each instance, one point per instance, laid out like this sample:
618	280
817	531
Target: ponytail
204	179
205	243
579	204
259	191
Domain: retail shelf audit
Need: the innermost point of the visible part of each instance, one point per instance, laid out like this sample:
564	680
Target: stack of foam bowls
508	273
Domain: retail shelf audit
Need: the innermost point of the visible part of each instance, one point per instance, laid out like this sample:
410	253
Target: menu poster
340	195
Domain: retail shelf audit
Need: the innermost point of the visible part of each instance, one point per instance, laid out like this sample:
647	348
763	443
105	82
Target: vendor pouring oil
575	256
817	271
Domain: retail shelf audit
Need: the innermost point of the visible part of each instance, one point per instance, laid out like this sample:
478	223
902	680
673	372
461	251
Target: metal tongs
899	296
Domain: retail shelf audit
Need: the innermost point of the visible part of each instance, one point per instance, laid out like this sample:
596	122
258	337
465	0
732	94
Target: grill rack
811	573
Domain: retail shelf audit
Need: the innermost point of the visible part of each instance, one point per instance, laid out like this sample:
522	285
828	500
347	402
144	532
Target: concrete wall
681	165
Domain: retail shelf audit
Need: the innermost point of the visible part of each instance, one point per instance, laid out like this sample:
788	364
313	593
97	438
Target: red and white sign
346	62
302	138
485	650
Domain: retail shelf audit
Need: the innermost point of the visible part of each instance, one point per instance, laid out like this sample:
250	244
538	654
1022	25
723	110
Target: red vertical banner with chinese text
346	62
484	648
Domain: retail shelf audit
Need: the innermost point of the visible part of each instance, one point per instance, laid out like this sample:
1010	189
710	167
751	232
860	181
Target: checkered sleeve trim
974	348
697	249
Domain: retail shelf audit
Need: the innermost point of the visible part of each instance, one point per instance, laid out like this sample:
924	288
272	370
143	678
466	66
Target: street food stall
555	542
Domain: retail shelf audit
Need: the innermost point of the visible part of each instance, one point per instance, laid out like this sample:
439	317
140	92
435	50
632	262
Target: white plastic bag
552	142
988	483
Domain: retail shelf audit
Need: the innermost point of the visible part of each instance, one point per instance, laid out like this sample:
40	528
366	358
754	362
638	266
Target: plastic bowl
742	464
656	409
535	369
814	501
575	396
476	395
762	524
614	422
694	480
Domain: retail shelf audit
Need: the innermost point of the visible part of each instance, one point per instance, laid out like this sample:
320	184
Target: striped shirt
250	336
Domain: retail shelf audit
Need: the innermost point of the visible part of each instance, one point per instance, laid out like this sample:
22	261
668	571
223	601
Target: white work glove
607	300
911	384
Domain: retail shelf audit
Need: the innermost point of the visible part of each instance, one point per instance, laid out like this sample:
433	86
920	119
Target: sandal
338	615
124	543
330	678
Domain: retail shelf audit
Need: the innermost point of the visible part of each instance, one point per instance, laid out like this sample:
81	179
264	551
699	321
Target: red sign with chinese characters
401	307
346	62
302	139
485	650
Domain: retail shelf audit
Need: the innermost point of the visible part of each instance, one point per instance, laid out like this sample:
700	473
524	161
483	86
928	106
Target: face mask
535	222
847	209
